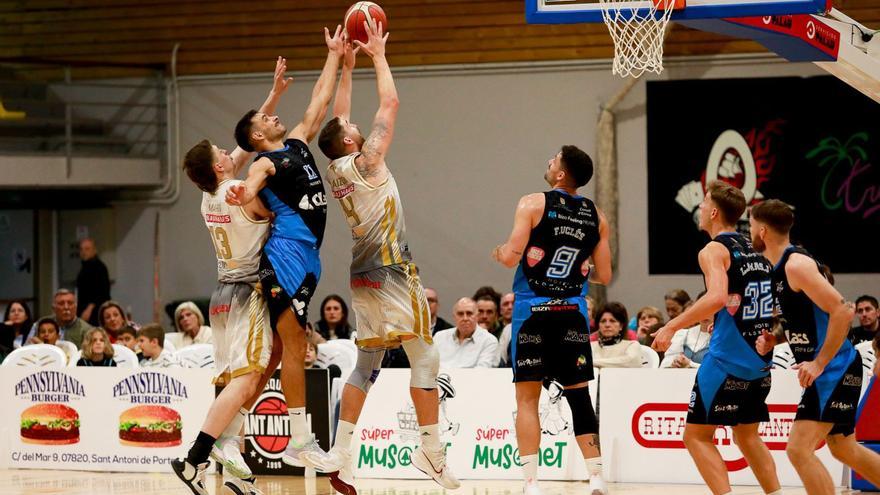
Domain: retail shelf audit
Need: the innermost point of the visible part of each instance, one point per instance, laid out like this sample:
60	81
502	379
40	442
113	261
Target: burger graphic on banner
150	426
50	424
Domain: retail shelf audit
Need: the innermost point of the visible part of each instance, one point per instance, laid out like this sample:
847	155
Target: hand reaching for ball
376	38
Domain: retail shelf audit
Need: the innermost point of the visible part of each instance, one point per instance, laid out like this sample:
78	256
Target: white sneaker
532	489
226	452
239	486
434	465
597	486
342	481
332	461
192	476
292	455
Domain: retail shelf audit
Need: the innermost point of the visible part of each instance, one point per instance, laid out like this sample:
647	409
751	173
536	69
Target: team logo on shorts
693	399
582	361
733	302
275	290
534	256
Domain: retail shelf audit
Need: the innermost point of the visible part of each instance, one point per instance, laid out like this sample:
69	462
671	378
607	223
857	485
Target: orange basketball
360	12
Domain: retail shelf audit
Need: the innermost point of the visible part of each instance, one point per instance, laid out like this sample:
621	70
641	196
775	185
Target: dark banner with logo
811	142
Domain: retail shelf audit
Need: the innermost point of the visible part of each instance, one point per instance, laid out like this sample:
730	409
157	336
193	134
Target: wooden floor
34	482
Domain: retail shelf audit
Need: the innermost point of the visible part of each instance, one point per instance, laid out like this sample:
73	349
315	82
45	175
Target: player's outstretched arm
280	84
245	192
803	274
528	211
322	93
602	253
342	105
714	260
372	158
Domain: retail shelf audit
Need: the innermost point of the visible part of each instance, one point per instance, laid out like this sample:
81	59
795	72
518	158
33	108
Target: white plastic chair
39	355
124	357
73	354
783	358
866	349
650	358
73	359
196	356
170	344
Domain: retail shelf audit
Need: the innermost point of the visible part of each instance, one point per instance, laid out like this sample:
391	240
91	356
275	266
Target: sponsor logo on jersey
797	338
343	192
311	202
365	283
585	267
534	256
212	218
733	302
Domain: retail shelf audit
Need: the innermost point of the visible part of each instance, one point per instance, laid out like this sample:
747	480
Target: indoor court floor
33	482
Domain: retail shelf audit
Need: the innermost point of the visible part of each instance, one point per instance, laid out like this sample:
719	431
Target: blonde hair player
387	295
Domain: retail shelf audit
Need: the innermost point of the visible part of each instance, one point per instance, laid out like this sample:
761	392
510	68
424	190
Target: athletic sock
299	427
430	435
529	468
594	466
344	434
234	427
199	451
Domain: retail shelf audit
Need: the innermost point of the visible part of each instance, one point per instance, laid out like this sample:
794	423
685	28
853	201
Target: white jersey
374	214
238	240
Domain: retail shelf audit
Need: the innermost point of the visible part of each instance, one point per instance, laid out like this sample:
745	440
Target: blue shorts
834	396
289	274
719	398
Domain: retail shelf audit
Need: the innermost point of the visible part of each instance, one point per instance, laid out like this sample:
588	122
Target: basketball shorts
550	338
289	274
834	397
241	331
389	304
722	399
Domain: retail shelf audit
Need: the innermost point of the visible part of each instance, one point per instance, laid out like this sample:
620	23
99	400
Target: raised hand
376	38
350	54
335	43
281	83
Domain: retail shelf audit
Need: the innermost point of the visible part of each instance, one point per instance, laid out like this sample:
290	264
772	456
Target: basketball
360	12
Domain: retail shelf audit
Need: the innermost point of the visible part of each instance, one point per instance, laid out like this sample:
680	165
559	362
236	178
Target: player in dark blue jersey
287	180
555	235
733	380
815	321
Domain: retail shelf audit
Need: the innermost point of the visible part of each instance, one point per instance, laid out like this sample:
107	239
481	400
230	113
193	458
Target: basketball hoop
638	30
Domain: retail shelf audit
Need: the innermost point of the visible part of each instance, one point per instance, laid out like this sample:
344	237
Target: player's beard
758	244
547	178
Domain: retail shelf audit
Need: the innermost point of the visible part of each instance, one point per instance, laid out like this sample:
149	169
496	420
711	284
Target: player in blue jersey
733	380
288	181
555	235
814	319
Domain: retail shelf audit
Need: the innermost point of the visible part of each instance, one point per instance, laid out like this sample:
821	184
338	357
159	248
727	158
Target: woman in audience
111	317
16	324
96	349
334	319
190	323
611	350
645	318
676	301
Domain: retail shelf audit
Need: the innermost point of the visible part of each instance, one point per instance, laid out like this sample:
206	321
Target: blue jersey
748	312
295	194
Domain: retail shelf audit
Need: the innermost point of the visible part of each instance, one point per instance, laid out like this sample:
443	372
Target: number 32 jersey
237	238
556	259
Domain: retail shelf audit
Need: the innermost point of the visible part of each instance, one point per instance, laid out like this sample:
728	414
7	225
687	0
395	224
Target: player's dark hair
153	331
578	164
868	299
330	140
243	131
731	202
199	166
778	215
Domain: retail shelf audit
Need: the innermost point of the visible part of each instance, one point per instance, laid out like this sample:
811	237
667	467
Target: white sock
529	467
234	427
430	435
594	466
344	433
299	427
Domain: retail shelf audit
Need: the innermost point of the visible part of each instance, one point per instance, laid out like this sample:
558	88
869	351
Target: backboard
575	11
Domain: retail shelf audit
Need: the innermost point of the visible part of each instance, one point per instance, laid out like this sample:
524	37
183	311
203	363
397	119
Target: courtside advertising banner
101	419
477	417
643	420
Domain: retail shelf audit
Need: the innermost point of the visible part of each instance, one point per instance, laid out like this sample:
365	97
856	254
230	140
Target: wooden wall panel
226	36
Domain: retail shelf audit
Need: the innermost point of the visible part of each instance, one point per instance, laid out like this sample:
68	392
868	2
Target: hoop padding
638	34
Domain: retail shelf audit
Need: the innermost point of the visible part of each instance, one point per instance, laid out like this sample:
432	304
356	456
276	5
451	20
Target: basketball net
638	32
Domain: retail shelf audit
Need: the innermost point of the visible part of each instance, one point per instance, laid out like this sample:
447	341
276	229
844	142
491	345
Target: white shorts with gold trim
242	334
389	305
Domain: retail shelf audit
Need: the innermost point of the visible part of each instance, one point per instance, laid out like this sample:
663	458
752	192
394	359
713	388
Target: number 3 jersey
555	262
237	238
374	214
748	312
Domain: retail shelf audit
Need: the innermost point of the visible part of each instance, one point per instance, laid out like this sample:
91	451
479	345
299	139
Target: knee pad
424	363
582	415
366	369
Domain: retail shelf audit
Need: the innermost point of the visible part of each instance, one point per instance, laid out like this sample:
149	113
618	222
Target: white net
638	29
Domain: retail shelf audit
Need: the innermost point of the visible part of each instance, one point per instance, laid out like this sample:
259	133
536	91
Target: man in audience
72	328
866	309
504	337
507	308
487	314
495	296
437	323
92	282
151	339
467	345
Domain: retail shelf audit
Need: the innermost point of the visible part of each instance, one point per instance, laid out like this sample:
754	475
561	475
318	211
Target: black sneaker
191	476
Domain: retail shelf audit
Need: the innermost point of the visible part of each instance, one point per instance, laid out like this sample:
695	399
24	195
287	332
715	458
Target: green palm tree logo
832	152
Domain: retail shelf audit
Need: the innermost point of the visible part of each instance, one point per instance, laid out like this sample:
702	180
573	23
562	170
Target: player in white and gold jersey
245	354
387	296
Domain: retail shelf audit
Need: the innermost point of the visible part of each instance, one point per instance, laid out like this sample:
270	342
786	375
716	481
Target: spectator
507	308
487	314
334	319
312	357
611	350
96	349
17	322
676	300
866	309
151	340
645	318
127	336
191	328
467	345
689	346
437	323
48	332
504	337
591	312
92	282
111	317
72	328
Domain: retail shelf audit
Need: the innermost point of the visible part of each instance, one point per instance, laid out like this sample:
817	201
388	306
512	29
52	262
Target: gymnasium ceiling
221	36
